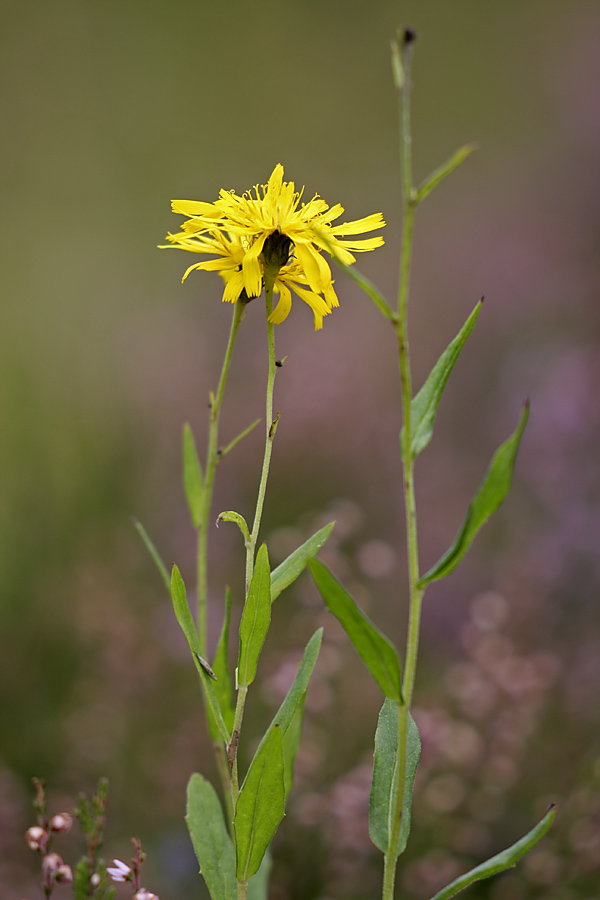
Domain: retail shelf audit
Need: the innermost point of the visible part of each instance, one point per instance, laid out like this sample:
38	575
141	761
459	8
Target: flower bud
143	894
119	871
37	837
64	875
61	823
95	880
51	865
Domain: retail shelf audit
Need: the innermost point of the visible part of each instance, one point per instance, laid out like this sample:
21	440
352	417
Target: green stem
271	427
415	594
212	458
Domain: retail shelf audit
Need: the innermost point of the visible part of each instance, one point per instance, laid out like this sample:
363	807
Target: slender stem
212	458
415	594
271	427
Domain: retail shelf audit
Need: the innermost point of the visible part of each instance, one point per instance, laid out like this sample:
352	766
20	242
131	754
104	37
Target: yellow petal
284	304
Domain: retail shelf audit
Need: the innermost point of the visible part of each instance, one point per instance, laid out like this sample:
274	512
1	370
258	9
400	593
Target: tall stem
415	594
212	458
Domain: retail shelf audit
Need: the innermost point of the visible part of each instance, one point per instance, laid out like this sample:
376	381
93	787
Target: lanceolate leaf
193	480
291	742
490	494
260	805
505	860
212	844
256	618
384	776
294	565
223	685
164	574
424	405
445	169
376	651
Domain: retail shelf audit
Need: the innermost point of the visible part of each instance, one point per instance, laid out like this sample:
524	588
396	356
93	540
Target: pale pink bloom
36	837
143	894
61	823
120	871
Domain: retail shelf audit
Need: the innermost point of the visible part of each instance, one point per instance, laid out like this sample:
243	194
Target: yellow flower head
271	229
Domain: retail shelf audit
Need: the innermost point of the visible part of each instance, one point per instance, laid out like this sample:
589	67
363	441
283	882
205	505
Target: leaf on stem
445	169
490	494
258	884
231	516
164	572
505	860
193	479
294	565
424	404
374	648
223	684
260	805
212	844
384	775
237	439
255	620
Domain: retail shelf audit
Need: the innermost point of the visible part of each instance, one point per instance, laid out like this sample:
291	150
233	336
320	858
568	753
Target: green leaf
186	622
223	684
490	494
424	405
256	618
374	648
294	565
258	884
212	844
445	169
182	611
164	573
291	742
505	860
231	516
384	775
260	805
193	480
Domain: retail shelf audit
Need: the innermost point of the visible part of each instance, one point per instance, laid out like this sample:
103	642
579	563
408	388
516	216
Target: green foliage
193	479
424	405
223	683
445	169
374	648
260	806
490	494
212	844
163	571
256	618
294	565
385	761
232	516
505	860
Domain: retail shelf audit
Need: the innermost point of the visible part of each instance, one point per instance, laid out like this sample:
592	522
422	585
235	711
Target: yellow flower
272	229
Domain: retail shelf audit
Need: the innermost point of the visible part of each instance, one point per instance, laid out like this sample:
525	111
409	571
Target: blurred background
109	110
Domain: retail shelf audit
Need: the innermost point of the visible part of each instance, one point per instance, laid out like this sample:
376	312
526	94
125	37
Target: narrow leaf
212	844
186	622
256	618
193	480
294	565
376	651
164	572
260	805
237	439
291	743
223	685
445	169
384	775
505	860
490	494
258	885
424	405
231	516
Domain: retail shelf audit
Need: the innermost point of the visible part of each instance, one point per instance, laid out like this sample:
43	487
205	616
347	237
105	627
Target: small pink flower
36	837
64	875
119	871
51	864
61	823
143	894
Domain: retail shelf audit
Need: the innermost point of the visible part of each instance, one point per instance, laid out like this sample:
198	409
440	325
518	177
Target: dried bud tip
36	837
63	822
409	36
143	894
119	871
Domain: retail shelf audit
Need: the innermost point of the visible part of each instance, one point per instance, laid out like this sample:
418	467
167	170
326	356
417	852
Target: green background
109	110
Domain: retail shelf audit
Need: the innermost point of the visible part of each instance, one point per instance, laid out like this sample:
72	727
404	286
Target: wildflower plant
269	240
